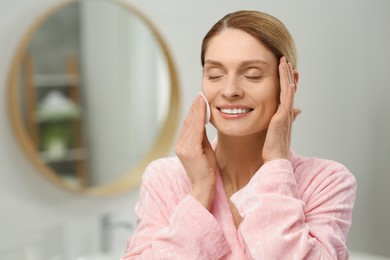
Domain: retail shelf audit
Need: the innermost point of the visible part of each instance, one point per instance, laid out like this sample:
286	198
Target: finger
287	87
287	103
289	125
197	112
203	107
205	142
291	86
290	73
194	122
296	113
283	78
187	124
286	78
209	152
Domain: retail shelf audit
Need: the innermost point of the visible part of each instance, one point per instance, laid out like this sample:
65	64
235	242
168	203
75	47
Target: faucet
107	226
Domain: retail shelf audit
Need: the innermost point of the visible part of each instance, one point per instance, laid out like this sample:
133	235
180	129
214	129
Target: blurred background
100	111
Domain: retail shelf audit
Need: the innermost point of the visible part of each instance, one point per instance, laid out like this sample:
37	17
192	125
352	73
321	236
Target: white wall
343	62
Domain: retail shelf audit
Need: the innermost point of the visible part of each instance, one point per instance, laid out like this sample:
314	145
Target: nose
232	89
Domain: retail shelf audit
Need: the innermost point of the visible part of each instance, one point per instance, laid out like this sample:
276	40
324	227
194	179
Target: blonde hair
267	29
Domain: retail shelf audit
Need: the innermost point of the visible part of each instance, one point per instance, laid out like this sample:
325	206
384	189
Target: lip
234	116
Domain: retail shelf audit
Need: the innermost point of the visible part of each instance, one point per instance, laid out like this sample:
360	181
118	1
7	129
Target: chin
242	127
240	130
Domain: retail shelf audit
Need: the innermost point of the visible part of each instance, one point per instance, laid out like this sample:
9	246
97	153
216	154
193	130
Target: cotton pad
207	109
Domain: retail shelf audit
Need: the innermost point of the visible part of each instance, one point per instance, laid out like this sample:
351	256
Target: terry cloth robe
300	208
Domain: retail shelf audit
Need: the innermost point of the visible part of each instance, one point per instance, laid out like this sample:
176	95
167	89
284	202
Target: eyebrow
213	62
244	63
253	62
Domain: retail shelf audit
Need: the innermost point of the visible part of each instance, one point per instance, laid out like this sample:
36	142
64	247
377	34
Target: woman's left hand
278	139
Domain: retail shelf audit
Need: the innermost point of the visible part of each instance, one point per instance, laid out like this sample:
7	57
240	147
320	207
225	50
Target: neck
239	158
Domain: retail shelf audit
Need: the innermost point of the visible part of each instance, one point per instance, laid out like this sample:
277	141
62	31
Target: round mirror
93	95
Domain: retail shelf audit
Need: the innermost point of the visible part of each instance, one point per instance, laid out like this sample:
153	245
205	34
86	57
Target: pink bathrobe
299	208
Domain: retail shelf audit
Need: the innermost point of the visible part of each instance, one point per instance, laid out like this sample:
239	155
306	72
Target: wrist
203	194
275	157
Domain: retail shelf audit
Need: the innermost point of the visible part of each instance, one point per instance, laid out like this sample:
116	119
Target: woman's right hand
196	154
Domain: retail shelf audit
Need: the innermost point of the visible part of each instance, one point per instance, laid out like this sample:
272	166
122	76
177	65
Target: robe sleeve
170	227
278	224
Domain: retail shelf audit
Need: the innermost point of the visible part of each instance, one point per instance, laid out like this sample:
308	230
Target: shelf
56	80
56	118
70	156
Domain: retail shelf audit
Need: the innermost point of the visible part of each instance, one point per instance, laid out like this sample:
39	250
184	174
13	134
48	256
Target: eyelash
214	77
247	77
217	77
253	77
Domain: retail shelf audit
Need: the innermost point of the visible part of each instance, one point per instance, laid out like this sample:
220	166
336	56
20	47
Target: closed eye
214	77
253	77
213	73
252	73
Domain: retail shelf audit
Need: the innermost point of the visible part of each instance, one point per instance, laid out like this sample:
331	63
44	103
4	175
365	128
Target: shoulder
167	173
314	172
315	166
167	164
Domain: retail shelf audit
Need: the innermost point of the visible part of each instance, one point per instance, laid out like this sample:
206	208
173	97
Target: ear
296	77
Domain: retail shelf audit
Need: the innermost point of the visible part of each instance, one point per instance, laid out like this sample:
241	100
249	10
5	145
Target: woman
247	195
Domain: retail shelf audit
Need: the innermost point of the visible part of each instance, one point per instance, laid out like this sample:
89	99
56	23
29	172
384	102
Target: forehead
236	46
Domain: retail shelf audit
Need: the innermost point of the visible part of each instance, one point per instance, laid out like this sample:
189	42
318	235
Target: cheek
268	101
205	88
269	94
268	107
274	91
209	92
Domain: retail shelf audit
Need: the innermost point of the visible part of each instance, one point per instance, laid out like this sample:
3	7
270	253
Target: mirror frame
131	178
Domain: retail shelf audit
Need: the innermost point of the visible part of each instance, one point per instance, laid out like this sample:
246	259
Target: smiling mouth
235	111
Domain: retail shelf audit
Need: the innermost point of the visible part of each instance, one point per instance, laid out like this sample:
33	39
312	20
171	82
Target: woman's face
241	83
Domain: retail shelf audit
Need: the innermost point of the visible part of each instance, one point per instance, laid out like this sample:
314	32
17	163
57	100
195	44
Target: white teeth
234	111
